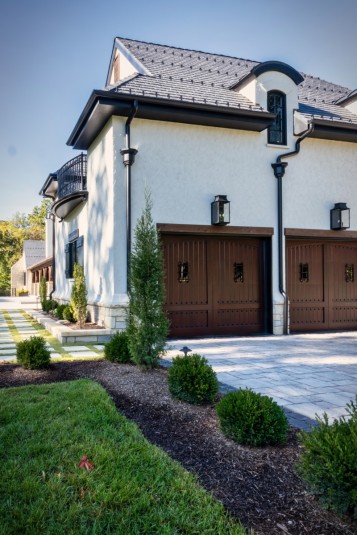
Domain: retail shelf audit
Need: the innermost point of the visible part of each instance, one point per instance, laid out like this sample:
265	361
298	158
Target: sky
54	53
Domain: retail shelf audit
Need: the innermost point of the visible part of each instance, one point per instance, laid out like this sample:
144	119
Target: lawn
134	488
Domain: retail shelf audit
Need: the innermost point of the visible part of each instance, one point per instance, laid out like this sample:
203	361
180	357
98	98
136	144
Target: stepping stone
3	347
75	348
84	354
8	358
56	355
6	352
100	347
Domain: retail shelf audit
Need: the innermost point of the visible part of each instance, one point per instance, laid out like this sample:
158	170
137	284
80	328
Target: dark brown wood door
321	285
215	285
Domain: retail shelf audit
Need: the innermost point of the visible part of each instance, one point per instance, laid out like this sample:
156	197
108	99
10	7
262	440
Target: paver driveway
307	374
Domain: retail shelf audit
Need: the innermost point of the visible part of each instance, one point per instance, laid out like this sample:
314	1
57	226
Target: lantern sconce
340	216
220	210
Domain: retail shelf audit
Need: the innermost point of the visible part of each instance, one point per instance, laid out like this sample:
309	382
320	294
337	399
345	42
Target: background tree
12	234
147	323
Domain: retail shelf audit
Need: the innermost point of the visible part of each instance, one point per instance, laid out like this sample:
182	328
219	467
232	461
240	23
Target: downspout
279	171
128	159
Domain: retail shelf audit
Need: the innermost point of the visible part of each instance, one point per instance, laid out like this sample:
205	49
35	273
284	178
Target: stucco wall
184	167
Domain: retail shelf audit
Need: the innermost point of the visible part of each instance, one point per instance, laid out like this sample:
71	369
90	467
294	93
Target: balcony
67	187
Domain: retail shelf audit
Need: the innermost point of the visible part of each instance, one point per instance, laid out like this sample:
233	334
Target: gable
123	64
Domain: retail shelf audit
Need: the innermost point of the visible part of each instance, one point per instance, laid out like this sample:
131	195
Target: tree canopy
13	232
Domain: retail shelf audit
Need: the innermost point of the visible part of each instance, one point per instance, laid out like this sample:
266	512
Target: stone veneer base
66	335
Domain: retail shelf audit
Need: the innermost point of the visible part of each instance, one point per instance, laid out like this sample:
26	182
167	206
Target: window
277	105
74	255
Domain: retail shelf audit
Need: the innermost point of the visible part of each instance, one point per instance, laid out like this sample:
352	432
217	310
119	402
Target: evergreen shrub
192	379
78	301
328	463
250	418
33	353
68	314
49	305
117	349
147	322
43	292
59	311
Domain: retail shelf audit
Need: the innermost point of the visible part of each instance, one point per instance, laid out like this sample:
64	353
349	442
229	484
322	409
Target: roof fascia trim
102	105
351	97
138	66
336	132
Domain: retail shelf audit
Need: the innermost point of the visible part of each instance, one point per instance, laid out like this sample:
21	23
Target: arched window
277	105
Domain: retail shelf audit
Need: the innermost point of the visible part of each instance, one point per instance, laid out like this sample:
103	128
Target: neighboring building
36	262
192	128
33	252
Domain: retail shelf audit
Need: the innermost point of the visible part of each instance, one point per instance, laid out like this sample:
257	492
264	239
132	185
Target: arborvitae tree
147	323
43	291
78	301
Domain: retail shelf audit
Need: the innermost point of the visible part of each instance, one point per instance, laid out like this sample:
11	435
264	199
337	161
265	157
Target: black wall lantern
220	210
340	216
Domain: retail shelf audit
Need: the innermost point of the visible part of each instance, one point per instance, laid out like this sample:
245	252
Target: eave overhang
50	187
324	129
102	105
63	207
351	97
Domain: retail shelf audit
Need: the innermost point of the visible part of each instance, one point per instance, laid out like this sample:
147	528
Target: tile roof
33	251
205	78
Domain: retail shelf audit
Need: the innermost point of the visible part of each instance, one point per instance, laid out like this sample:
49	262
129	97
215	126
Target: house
33	252
252	172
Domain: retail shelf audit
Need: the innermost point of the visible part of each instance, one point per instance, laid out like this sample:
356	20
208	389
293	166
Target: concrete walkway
307	374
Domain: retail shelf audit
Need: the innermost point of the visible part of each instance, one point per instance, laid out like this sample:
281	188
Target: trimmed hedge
328	463
117	349
250	418
192	379
33	353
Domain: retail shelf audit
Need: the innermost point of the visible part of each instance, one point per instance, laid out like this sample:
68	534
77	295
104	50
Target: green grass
135	488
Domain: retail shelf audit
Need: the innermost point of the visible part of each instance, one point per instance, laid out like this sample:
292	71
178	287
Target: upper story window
277	105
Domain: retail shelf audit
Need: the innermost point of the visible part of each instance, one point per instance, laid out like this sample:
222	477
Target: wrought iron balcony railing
72	177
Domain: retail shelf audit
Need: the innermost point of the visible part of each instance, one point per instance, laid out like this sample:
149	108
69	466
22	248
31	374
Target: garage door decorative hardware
183	272
304	272
349	272
238	272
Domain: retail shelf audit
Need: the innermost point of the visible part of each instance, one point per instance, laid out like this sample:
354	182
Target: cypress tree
147	323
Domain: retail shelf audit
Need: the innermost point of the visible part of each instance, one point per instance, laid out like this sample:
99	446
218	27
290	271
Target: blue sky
53	54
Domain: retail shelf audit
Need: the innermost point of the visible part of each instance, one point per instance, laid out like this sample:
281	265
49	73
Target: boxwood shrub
328	463
250	418
192	379
117	349
32	353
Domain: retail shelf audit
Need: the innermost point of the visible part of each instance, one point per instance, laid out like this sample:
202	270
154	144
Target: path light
220	210
185	350
340	216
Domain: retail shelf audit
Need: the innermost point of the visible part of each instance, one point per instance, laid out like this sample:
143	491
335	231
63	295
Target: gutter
279	171
128	159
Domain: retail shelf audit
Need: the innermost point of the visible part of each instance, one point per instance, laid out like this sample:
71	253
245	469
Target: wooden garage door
322	286
215	285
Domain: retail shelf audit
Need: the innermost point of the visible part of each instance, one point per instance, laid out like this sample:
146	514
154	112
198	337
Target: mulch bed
259	486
